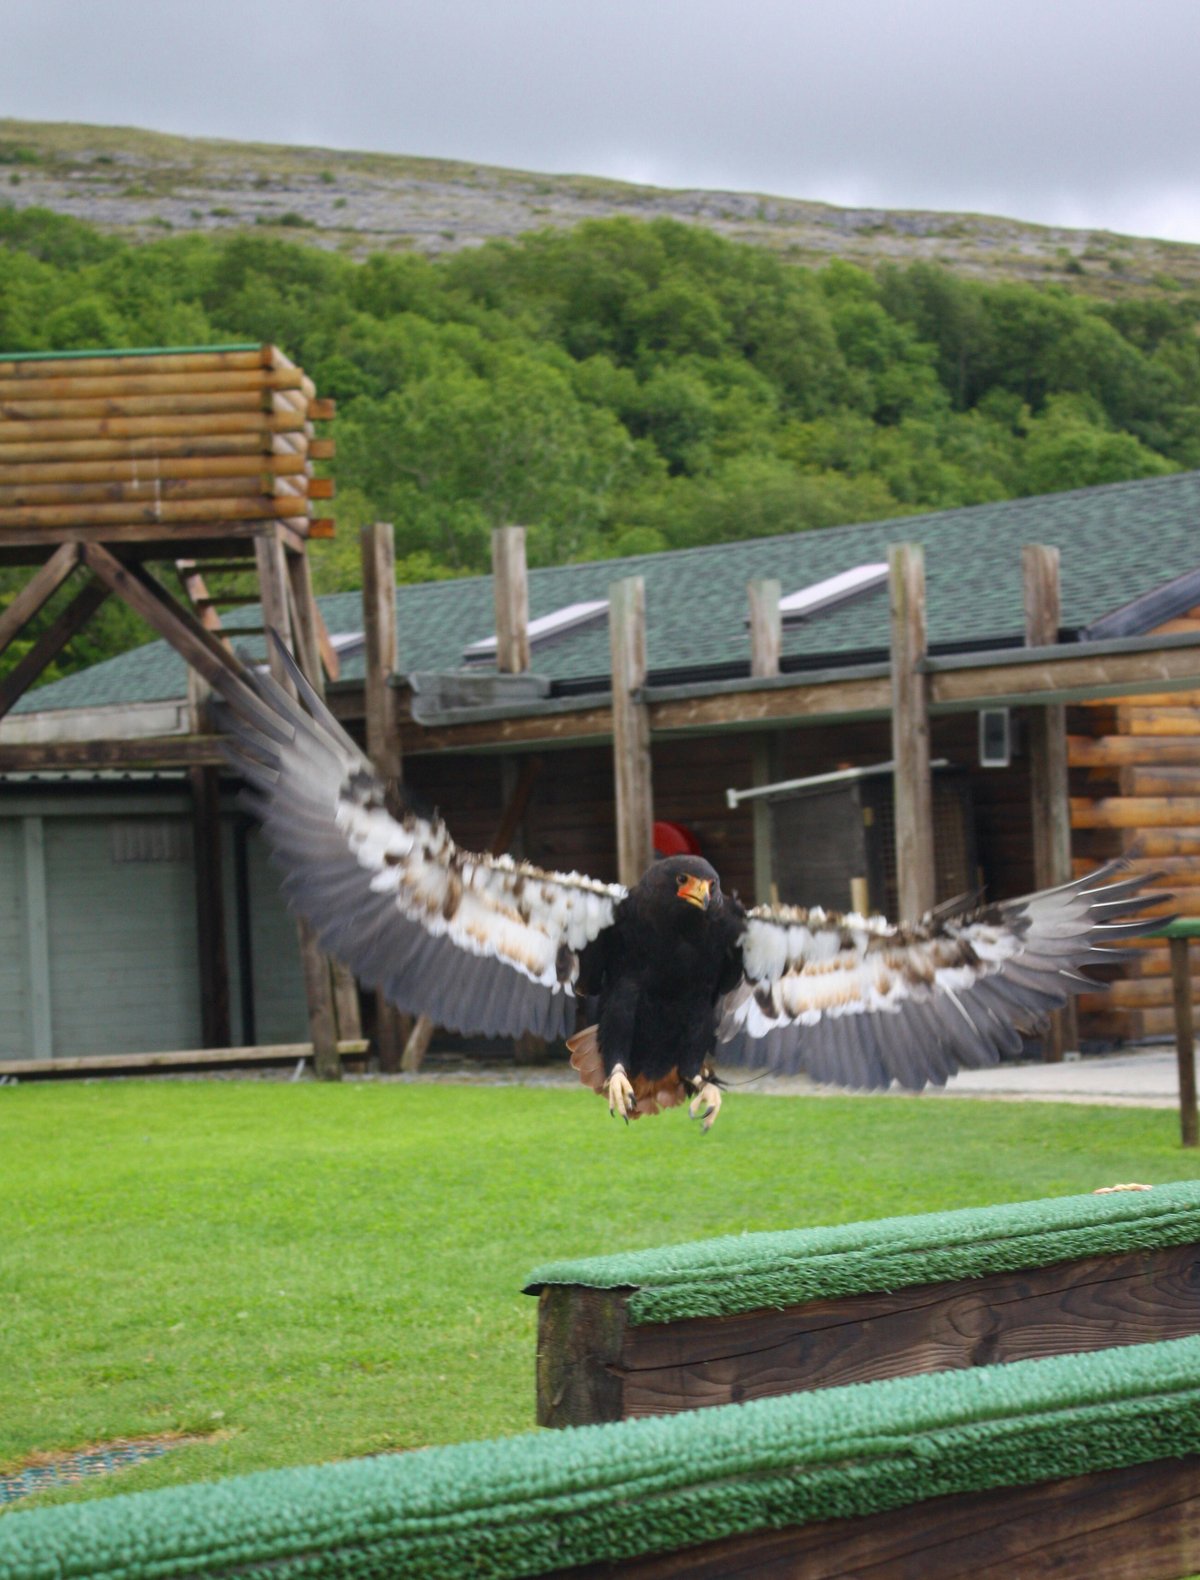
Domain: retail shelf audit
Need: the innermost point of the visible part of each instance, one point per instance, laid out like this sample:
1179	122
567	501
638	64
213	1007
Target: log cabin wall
1135	786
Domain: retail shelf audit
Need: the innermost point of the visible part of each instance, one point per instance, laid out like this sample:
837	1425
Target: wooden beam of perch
37	592
50	644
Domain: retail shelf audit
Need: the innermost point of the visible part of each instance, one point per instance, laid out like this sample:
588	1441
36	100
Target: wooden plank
131	469
1050	803
631	730
322	410
1140	1522
1135	812
199	361
166	512
265	1053
1160	779
50	643
144	490
37	592
322	449
510	591
179	405
170	751
165	427
66	389
1185	1041
1070	674
1090	1303
916	884
148	447
766	627
1118	751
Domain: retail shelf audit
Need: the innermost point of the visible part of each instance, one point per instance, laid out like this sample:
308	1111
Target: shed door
121	906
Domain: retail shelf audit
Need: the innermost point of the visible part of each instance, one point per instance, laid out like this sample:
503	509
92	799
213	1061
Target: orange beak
695	891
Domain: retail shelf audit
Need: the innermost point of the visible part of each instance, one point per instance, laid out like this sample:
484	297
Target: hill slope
141	184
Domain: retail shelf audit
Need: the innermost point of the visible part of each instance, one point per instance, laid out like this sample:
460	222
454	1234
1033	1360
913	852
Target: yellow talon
708	1100
620	1093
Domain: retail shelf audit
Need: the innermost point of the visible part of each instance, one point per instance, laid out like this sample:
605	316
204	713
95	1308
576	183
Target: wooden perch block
594	1364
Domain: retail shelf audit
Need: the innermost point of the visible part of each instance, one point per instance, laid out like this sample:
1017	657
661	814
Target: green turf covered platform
707	1278
548	1502
748	1316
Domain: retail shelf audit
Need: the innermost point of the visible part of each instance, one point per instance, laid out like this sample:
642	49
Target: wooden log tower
116	465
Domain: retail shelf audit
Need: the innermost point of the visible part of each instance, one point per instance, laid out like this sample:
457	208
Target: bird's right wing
481	944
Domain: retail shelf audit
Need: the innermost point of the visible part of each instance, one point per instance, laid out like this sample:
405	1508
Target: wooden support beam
125	469
910	734
378	546
510	588
165	751
631	729
1050	793
377	543
135	586
1185	1041
37	592
273	585
50	644
766	628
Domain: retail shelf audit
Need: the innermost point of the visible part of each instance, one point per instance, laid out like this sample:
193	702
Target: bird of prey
651	985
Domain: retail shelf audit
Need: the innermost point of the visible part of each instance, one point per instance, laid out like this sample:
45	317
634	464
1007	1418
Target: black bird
668	974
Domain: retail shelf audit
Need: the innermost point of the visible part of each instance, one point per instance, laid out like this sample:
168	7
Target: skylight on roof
545	626
833	590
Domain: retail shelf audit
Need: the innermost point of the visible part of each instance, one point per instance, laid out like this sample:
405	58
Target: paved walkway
1145	1079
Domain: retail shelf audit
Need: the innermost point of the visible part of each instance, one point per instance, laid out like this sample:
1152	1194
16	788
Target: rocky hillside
141	184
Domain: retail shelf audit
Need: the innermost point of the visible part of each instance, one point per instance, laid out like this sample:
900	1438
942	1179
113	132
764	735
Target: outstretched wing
481	944
858	1002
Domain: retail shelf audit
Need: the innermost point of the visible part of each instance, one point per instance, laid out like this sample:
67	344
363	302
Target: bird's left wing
481	944
858	1002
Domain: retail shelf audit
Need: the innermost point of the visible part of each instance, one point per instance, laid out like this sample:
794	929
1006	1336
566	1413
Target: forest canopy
625	386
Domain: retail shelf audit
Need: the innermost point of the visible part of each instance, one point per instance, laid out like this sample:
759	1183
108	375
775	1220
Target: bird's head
686	879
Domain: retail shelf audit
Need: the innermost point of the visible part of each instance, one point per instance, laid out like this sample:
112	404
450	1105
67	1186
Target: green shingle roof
1117	543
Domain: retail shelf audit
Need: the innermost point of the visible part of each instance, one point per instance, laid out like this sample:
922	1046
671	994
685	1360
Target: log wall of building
1135	788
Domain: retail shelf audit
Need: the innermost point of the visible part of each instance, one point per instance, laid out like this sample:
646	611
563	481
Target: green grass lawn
308	1272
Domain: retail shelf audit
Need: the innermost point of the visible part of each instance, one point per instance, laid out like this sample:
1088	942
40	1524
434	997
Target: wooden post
910	734
631	729
1185	1040
378	546
766	628
318	987
272	584
510	588
1049	791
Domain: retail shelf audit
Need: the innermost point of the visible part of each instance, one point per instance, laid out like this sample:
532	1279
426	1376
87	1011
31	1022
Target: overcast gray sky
1076	112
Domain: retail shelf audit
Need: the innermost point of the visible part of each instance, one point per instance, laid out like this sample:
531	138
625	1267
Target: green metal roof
125	351
1117	544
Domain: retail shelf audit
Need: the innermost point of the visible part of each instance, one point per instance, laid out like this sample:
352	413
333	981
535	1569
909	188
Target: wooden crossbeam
50	644
37	592
166	751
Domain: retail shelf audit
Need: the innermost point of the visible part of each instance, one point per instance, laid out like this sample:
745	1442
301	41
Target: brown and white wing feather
482	944
858	1002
